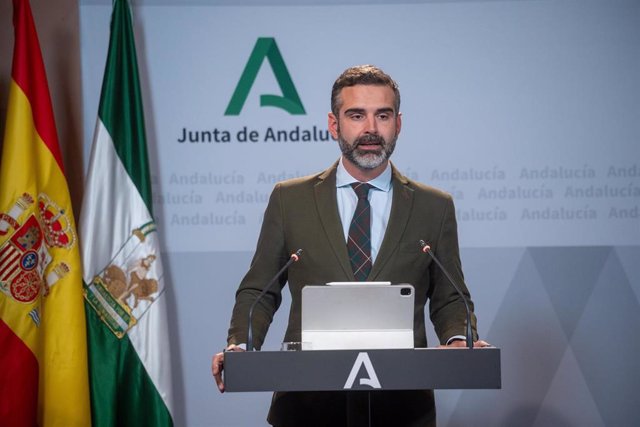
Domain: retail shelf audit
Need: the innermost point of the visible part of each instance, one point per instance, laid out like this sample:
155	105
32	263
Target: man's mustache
370	140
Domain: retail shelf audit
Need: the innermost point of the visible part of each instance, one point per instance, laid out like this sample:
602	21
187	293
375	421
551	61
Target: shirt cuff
242	346
455	338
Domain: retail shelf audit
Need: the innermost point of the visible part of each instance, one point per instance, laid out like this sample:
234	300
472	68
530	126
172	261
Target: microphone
294	257
427	249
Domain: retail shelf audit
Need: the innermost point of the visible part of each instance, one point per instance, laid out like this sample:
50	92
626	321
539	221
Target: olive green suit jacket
302	213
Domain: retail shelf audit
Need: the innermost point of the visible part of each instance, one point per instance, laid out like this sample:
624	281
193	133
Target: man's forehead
367	96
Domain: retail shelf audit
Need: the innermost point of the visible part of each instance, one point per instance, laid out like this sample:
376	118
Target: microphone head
425	248
296	255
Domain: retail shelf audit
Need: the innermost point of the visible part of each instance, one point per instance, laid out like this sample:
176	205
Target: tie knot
361	189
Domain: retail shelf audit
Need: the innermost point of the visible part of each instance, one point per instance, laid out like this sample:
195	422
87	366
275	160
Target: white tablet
358	315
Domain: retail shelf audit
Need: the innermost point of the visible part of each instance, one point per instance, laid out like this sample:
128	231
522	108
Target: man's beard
367	159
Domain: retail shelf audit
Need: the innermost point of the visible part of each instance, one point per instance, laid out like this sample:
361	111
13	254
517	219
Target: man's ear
332	124
398	123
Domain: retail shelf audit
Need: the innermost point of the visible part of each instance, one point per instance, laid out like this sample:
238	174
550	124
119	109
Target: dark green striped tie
359	242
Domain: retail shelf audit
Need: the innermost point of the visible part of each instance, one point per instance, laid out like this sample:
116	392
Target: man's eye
356	116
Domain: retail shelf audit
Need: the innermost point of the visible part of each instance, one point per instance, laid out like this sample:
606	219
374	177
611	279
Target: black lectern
392	369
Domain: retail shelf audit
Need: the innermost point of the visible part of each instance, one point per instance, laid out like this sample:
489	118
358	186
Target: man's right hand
217	365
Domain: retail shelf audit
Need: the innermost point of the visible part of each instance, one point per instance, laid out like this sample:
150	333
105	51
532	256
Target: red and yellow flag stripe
43	362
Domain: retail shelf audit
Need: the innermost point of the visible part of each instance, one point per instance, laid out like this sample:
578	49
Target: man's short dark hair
362	75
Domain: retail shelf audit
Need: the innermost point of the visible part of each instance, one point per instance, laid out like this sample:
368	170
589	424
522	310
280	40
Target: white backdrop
528	112
524	111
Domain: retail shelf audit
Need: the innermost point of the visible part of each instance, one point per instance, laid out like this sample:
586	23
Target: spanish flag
43	350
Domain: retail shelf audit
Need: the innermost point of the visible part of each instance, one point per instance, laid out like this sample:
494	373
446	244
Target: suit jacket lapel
327	206
400	210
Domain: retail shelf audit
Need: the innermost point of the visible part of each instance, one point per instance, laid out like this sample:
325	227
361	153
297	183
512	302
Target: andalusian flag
124	290
43	348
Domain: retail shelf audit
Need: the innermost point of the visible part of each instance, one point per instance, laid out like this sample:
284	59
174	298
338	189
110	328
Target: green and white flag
125	299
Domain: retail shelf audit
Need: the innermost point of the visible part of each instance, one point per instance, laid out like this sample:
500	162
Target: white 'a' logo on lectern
372	381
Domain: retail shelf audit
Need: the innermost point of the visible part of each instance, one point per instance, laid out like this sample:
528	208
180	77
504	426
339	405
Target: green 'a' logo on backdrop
266	47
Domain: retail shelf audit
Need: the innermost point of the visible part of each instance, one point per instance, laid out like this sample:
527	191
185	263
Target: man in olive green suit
313	213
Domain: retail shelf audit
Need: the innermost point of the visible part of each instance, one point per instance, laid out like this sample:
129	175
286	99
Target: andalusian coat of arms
127	286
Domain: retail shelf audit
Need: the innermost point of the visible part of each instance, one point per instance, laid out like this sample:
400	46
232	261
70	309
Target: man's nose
371	125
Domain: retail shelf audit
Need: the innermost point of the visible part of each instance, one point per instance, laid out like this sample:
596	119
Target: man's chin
369	160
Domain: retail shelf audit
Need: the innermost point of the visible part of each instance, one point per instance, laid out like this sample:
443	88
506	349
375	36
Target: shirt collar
381	182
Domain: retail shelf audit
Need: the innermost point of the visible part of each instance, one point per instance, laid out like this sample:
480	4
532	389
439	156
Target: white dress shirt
380	196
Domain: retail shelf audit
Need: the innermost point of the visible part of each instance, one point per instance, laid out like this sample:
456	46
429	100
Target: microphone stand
427	249
294	257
